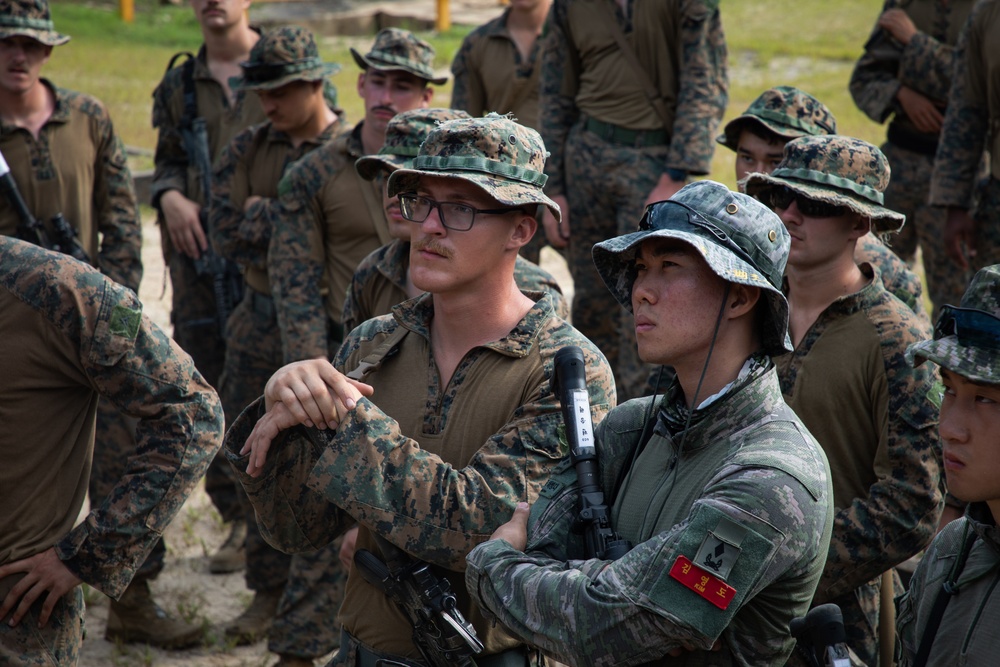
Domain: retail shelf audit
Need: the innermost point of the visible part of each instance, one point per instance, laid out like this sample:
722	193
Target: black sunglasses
974	328
782	197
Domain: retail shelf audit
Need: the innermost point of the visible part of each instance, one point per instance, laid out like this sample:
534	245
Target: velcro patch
125	321
720	549
936	394
706	585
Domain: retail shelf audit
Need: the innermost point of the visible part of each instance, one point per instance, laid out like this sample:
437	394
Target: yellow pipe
443	22
127	10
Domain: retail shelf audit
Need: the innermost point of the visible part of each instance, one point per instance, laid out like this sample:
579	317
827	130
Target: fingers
520	517
348	547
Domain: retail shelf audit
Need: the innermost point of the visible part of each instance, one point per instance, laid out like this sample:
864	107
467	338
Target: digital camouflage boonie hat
967	338
29	18
835	169
742	241
396	49
786	111
505	159
281	56
403	136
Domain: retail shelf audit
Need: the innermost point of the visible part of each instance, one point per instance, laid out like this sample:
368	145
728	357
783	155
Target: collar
415	314
329	133
754	393
984	524
393	262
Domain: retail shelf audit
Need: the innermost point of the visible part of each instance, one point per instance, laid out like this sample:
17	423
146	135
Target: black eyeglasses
783	197
458	217
974	328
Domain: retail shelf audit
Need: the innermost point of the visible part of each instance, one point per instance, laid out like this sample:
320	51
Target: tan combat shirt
491	75
77	167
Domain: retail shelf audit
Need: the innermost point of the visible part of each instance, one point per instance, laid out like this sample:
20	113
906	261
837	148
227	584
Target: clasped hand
311	393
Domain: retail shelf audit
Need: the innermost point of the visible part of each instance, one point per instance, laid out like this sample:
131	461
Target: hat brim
614	261
883	220
369	166
46	37
366	63
313	74
973	363
506	191
730	137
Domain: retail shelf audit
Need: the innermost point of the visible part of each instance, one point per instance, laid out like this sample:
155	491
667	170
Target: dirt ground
185	588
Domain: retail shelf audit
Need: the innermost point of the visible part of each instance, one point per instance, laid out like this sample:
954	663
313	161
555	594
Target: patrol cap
29	18
740	239
403	136
786	111
396	49
281	56
967	338
503	158
835	169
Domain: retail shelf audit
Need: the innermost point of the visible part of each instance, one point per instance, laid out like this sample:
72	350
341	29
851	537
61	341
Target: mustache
384	108
430	246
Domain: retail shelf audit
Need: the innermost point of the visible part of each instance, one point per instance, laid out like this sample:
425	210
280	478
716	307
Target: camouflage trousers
113	445
58	643
606	186
194	317
312	582
907	194
987	216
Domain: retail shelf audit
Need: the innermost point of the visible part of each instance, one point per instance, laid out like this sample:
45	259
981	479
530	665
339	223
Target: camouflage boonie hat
742	241
503	158
396	49
967	339
29	18
786	111
403	136
281	56
838	170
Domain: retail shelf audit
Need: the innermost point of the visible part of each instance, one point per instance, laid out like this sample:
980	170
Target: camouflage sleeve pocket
119	321
921	409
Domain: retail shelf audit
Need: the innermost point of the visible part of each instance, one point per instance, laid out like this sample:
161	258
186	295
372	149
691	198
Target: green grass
812	45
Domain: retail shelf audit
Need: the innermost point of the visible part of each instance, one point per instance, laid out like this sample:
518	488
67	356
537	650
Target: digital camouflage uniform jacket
440	480
973	115
380	283
77	167
749	472
970	629
490	74
78	335
223	121
926	64
875	417
327	220
695	72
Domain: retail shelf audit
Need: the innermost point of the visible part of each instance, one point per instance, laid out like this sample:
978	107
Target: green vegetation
812	45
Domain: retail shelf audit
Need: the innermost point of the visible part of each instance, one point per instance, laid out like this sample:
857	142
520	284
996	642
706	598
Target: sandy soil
186	589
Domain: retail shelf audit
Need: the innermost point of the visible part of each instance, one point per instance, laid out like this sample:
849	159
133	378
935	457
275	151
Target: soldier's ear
524	229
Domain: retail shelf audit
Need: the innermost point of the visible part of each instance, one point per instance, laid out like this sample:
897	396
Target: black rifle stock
594	519
62	237
440	631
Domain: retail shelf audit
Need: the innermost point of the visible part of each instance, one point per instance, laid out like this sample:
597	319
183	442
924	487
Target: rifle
227	281
821	637
63	237
440	631
594	521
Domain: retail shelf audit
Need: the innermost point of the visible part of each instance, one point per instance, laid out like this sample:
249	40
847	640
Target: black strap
948	590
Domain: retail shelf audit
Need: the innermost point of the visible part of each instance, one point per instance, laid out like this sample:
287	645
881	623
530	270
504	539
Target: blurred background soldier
972	232
196	92
905	73
496	69
631	96
289	78
73	336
